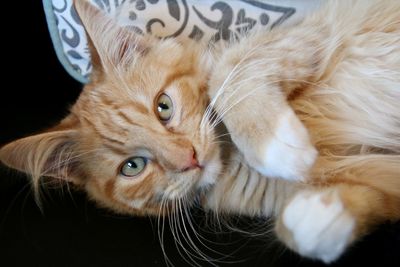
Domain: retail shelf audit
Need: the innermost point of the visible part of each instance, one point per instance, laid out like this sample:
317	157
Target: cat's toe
317	225
289	154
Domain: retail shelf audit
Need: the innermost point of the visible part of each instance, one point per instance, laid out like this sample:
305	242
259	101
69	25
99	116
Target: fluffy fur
312	111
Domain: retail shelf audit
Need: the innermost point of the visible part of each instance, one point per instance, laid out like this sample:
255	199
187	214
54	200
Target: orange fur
339	72
330	84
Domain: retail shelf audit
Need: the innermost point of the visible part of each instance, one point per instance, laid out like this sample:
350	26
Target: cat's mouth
211	168
195	166
195	181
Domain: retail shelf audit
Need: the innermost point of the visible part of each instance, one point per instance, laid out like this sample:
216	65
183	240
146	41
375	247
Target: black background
71	231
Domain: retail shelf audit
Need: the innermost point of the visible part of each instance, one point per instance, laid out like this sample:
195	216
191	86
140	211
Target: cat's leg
322	223
253	82
256	112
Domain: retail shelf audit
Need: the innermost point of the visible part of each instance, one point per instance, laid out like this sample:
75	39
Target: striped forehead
117	121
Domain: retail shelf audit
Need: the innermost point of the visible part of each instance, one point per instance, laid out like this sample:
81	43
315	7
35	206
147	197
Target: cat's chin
206	179
210	171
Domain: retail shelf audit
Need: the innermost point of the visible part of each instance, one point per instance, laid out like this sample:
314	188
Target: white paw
319	225
289	154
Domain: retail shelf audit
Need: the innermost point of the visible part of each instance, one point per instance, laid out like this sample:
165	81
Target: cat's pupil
132	164
163	106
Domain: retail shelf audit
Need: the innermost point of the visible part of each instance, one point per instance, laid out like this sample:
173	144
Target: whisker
201	255
161	233
227	79
175	227
200	238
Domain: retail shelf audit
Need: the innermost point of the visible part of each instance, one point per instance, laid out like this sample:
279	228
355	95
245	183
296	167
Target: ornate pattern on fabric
206	20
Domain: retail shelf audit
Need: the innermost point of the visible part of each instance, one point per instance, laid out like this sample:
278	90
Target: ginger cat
313	113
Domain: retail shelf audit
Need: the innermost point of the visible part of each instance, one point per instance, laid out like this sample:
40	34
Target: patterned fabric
208	20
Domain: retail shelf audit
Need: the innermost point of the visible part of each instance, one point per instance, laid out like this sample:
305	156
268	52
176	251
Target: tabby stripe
109	188
112	140
112	128
142	109
107	102
247	180
236	173
127	119
116	150
262	200
94	127
175	76
275	190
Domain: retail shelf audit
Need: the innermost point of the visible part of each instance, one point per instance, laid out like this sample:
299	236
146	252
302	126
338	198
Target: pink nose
192	163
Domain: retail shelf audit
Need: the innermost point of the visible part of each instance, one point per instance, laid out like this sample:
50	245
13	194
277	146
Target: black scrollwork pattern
209	20
174	12
222	25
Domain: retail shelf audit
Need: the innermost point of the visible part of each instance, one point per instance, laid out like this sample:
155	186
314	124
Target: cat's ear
112	46
49	154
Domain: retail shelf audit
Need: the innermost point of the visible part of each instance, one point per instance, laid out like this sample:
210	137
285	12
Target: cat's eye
165	108
133	166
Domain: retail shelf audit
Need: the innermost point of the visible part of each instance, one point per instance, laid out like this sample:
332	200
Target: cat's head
134	140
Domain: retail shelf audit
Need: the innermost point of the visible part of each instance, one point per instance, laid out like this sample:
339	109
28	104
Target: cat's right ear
112	46
52	153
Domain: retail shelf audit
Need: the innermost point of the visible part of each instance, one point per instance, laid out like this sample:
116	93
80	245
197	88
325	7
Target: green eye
165	108
133	166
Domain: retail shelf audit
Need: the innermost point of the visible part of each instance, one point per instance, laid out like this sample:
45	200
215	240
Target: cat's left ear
52	153
112	45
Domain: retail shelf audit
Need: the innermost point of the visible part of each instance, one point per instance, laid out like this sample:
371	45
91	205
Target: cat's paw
316	225
289	154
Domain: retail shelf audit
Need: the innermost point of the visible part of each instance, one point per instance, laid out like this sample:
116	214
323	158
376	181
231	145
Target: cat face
144	129
135	139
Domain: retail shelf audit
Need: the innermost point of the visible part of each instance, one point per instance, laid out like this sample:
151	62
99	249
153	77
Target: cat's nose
192	162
